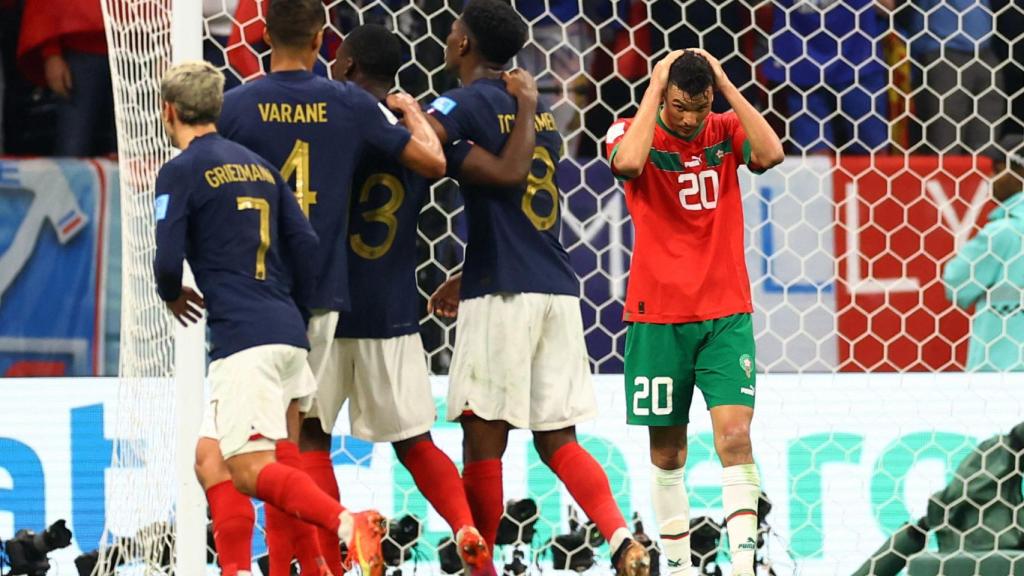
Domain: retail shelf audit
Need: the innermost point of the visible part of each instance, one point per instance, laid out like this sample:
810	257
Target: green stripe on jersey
713	154
667	161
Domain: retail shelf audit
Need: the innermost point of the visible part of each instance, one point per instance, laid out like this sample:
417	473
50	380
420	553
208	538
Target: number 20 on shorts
653	392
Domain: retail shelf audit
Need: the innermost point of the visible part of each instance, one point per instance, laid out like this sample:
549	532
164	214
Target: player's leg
659	387
726	376
562	395
336	373
489	392
288	537
391	401
253	389
483	445
231	511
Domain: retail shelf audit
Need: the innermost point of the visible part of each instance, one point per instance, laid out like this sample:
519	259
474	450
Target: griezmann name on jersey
513	242
688	254
316	131
386	203
230	213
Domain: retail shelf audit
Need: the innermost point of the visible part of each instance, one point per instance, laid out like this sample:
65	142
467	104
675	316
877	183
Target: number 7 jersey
688	252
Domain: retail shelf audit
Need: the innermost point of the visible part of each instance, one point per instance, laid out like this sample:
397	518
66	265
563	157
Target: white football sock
741	489
672	513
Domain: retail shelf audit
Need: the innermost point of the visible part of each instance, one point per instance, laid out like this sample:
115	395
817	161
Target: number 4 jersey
688	252
316	131
513	232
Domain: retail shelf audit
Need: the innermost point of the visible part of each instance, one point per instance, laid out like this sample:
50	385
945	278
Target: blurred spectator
63	47
951	44
988	271
217	16
830	52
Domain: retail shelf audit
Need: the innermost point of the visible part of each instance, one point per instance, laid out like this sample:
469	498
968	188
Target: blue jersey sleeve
450	110
380	128
227	124
455	154
173	193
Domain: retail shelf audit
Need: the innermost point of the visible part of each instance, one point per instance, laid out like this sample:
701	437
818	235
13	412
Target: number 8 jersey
688	259
513	242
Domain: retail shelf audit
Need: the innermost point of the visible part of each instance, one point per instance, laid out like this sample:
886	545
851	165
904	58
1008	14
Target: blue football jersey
386	203
230	213
513	243
315	131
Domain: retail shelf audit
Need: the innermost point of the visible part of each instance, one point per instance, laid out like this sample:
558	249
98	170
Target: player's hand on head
444	302
716	66
188	308
520	84
662	67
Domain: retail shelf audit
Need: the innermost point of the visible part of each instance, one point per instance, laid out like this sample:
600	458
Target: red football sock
279	540
295	493
482	480
588	485
438	479
303	535
320	468
233	519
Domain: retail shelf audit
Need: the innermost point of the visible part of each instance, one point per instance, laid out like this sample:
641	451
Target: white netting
139	528
846	241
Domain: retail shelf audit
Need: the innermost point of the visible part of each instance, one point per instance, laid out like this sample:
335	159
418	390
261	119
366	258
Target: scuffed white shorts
521	358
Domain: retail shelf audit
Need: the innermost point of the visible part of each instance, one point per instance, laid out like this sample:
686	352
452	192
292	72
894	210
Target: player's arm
632	151
422	154
765	146
172	209
512	166
298	241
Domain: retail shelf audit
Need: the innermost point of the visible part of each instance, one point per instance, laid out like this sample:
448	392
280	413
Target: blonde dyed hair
196	90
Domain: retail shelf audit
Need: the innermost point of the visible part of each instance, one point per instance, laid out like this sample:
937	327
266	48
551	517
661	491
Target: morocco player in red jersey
688	301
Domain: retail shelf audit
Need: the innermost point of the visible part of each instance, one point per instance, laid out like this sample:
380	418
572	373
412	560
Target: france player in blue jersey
377	362
520	357
317	131
231	215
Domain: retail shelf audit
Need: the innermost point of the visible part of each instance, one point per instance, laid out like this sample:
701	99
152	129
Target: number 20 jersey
688	252
513	242
315	131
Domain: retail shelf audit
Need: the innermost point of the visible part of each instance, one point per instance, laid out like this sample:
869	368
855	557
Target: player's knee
670	457
209	466
313	438
733	442
547	443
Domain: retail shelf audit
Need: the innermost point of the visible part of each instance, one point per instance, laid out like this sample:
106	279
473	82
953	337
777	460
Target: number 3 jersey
230	213
513	242
315	131
688	252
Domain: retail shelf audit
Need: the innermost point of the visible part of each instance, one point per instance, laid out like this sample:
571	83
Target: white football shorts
521	358
250	394
387	385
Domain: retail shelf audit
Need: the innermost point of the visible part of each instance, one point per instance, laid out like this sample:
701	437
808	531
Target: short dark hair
375	50
294	23
499	32
691	73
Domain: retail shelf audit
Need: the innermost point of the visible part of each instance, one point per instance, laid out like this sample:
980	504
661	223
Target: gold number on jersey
263	207
544	183
297	165
384	214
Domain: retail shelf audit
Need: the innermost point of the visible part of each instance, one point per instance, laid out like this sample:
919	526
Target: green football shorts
665	361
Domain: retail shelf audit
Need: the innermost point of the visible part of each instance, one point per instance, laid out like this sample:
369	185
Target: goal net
894	123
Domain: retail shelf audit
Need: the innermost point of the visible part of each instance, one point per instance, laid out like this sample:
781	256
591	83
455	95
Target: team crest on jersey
444	105
747	364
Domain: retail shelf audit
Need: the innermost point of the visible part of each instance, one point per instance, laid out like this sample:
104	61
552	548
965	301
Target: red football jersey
688	262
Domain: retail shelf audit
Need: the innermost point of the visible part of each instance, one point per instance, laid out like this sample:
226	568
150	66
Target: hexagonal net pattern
876	246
